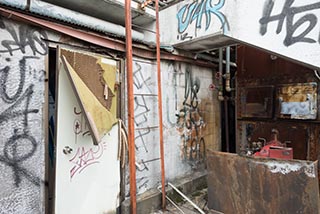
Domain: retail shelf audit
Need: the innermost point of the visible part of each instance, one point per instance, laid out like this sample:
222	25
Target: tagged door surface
87	166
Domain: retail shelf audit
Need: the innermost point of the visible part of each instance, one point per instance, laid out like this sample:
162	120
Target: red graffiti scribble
84	158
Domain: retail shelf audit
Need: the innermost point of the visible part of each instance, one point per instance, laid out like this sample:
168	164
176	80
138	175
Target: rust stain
298	101
246	185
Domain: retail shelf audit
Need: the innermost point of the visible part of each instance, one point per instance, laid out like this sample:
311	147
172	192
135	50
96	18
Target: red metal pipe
163	187
132	160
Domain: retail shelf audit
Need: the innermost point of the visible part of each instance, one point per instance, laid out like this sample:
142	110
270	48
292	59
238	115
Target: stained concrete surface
199	198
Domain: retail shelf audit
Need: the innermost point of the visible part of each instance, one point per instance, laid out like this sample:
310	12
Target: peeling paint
286	168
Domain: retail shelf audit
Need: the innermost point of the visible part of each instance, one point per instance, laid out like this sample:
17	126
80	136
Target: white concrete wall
291	31
176	23
22	78
174	89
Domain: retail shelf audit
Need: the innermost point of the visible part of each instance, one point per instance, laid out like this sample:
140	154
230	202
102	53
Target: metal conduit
228	75
160	107
220	94
128	22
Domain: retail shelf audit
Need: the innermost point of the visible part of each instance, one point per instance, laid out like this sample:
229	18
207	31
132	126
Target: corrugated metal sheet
99	40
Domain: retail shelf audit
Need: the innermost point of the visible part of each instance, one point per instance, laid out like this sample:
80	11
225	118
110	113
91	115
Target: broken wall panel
258	185
94	80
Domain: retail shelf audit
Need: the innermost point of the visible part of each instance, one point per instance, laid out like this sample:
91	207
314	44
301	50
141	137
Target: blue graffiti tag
196	10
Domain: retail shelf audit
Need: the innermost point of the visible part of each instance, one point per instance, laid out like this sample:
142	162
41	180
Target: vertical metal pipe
160	107
220	94
130	107
228	76
226	122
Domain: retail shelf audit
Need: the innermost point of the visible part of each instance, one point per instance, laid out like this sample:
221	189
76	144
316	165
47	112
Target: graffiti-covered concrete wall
22	79
284	27
191	118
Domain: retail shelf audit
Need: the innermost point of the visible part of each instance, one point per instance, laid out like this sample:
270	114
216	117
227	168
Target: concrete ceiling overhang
206	43
109	10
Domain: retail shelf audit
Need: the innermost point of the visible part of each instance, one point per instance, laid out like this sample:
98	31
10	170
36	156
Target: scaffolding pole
128	24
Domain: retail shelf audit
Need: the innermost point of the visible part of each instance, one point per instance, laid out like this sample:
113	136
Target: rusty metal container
248	185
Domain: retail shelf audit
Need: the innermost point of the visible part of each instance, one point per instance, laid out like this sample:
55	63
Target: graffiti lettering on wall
190	124
23	38
171	92
144	110
85	157
293	24
22	77
17	104
80	126
195	11
142	83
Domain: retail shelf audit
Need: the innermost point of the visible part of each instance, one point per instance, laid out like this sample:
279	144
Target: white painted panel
87	179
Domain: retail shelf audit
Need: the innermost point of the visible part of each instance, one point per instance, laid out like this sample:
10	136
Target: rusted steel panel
256	102
246	185
297	101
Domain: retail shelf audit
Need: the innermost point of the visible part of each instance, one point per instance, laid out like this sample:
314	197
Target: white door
87	175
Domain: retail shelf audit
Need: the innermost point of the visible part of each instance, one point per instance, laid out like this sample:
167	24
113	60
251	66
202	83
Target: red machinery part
272	151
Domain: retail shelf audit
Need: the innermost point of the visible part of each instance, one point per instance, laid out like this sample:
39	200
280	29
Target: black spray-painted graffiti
141	108
21	145
22	38
143	100
172	73
19	138
195	12
292	24
189	122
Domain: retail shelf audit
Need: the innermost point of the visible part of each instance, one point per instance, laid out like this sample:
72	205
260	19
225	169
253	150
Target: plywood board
94	81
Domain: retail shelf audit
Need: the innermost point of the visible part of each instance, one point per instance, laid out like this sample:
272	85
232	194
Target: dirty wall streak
22	77
190	107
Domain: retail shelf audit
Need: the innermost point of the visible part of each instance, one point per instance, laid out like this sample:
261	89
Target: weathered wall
22	78
260	86
284	27
187	130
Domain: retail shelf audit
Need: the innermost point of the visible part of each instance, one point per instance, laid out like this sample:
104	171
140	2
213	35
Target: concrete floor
199	198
